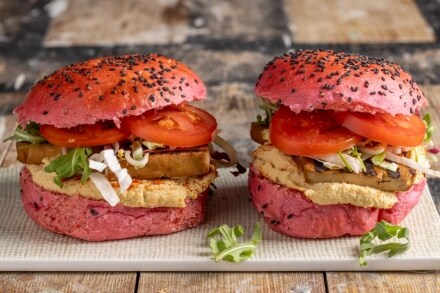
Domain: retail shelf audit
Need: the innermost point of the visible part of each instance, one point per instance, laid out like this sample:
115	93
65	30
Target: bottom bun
96	220
289	212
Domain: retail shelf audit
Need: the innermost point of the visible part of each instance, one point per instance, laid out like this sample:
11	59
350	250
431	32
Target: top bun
312	79
108	89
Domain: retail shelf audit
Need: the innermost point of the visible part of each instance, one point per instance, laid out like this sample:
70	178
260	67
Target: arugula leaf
70	164
384	232
30	134
429	127
228	248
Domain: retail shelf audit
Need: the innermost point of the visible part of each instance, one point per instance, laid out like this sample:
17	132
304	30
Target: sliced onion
97	157
136	163
331	166
434	151
410	163
105	188
395	150
124	179
114	166
111	160
406	149
116	146
380	148
352	162
98	166
232	154
138	153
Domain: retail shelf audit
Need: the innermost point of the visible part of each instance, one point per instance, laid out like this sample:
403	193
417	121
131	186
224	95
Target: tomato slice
176	126
309	133
83	135
399	130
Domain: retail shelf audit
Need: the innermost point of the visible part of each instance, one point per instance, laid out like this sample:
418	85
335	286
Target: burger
342	144
112	149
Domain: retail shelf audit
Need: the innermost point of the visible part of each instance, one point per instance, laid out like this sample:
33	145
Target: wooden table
228	43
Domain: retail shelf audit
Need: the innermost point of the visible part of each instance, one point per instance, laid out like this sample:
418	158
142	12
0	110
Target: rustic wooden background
227	42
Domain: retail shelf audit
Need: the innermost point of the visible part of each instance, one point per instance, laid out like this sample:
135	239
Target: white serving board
24	246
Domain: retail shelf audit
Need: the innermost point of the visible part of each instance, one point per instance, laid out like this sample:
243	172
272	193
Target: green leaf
429	127
269	109
30	134
227	248
384	237
73	163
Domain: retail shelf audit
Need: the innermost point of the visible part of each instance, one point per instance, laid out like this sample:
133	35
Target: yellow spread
142	193
282	169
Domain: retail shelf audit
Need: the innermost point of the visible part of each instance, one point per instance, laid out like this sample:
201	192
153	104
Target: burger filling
339	157
156	159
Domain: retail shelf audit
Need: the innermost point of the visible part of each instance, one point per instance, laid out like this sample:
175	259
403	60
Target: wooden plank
384	282
132	22
67	282
357	21
161	22
7	126
231	282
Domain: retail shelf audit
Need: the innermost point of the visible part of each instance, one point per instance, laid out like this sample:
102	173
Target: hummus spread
282	169
142	193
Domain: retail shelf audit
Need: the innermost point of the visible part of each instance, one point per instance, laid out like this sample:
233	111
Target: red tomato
83	135
176	126
399	130
309	133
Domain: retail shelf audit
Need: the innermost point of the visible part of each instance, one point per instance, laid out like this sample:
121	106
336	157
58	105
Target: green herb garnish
30	134
70	164
269	109
384	232
429	127
228	248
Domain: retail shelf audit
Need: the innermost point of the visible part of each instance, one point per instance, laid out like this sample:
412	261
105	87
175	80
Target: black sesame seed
372	93
124	111
101	98
152	98
45	112
133	107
